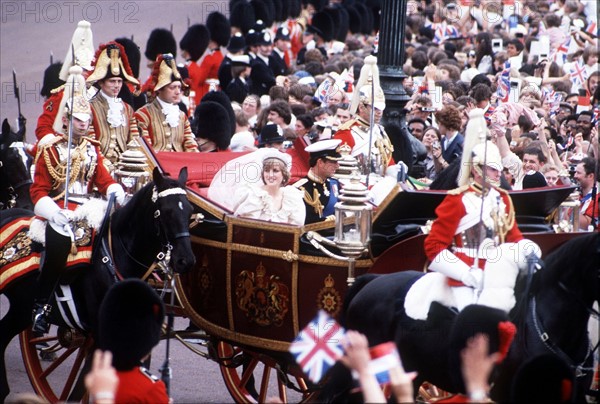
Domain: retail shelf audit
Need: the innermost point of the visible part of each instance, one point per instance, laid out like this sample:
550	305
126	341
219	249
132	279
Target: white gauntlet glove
118	191
62	217
473	278
526	247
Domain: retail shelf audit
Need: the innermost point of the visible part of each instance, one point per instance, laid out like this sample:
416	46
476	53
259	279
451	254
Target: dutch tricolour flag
318	346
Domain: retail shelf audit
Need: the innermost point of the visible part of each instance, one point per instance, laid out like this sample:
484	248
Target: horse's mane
581	252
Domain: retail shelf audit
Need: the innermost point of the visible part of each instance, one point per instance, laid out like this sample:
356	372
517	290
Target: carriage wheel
240	369
56	376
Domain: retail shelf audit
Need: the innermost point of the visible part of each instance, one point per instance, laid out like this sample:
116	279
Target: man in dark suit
238	88
449	122
262	77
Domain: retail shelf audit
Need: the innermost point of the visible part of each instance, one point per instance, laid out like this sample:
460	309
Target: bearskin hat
473	320
160	41
354	20
222	98
195	41
132	50
366	18
278	8
242	16
51	79
219	28
262	12
130	322
322	24
212	123
544	379
295	8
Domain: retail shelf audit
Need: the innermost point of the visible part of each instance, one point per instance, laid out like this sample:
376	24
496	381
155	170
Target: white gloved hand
62	217
526	247
311	45
117	189
473	278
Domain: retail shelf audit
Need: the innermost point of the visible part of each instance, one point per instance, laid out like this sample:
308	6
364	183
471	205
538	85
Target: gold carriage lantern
132	168
353	220
568	215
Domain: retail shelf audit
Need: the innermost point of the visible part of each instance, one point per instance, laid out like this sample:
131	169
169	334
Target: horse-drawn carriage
256	284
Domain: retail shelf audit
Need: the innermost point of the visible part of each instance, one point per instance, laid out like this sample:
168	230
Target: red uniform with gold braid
112	118
140	386
474	247
164	126
87	170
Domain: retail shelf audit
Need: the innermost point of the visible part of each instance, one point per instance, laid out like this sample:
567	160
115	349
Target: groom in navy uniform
320	189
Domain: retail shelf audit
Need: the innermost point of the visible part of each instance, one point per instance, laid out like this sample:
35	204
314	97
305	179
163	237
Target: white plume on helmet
82	44
369	76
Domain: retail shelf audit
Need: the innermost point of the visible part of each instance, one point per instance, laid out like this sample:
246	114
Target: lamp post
390	59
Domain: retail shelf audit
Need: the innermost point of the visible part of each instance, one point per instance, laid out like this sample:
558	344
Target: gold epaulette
347	125
458	191
300	182
57	89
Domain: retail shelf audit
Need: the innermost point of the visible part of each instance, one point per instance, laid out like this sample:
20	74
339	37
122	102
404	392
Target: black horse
554	306
14	175
154	222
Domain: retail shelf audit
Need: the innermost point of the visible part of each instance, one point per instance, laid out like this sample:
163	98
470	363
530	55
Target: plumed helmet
222	98
111	61
132	50
160	41
212	123
79	105
219	28
477	151
195	41
369	78
82	44
51	79
164	72
130	322
242	16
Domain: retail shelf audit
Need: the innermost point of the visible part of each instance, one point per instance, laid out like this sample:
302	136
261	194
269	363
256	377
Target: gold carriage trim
263	299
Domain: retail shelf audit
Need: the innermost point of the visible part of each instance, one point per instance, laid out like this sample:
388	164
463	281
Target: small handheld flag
318	346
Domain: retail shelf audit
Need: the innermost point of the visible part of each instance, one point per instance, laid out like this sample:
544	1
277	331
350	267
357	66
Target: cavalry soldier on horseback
112	118
475	247
356	133
63	179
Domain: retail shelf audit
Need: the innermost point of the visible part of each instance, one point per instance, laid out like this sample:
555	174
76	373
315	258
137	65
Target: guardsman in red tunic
50	185
82	44
474	247
112	118
130	321
164	126
206	73
193	45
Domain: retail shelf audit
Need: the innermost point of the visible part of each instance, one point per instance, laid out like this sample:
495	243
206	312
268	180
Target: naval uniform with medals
320	196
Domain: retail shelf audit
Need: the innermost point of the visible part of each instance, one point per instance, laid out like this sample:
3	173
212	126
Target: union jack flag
578	73
560	54
318	346
503	89
595	116
443	31
553	99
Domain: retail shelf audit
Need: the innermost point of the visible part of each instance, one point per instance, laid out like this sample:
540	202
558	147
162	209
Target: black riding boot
57	250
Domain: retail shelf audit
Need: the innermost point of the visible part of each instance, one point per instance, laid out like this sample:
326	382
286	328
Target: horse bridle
12	188
158	224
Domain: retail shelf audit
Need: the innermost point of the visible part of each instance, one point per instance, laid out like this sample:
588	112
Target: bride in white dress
271	200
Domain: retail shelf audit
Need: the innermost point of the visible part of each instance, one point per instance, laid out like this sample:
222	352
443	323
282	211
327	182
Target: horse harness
162	258
580	369
12	190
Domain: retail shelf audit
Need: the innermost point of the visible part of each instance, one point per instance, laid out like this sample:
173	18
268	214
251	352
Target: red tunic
44	185
139	386
443	234
207	69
